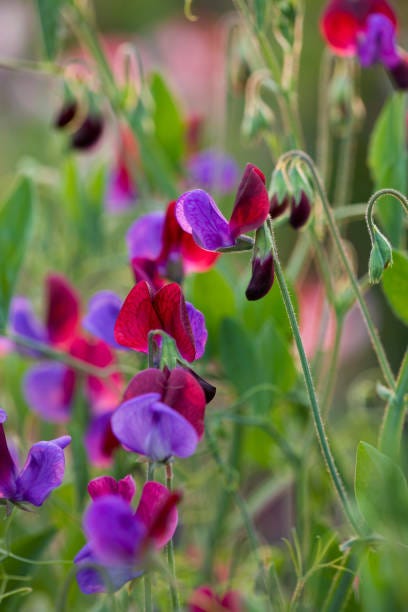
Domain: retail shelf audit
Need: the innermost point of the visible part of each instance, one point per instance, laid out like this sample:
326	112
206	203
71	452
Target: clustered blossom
43	470
120	539
367	29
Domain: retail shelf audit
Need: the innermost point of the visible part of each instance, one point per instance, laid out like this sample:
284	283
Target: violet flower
199	216
213	171
43	470
119	539
162	415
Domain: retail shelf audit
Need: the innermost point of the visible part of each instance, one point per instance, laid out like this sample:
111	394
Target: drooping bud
65	115
262	266
380	256
299	211
399	73
88	133
208	388
279	198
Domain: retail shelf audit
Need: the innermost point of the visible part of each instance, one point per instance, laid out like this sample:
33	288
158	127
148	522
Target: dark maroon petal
300	212
208	388
65	115
88	134
232	601
137	318
158	513
41	474
7	466
151	380
251	203
277	209
184	394
171	309
106	485
261	279
62	318
399	73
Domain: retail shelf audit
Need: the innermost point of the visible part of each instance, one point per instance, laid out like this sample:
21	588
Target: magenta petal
200	334
103	310
252	205
113	532
7	465
90	580
199	215
41	474
144	237
147	426
152	501
121	192
107	485
99	440
45	390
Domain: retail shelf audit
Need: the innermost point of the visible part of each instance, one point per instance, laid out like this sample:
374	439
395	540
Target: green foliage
168	122
395	285
387	160
15	225
48	11
381	492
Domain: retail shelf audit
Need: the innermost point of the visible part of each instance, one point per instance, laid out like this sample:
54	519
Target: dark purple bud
277	208
399	74
261	279
65	115
299	213
88	134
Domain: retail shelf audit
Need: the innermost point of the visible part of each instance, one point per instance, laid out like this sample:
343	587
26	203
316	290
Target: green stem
148	601
392	426
318	422
372	331
372	201
323	128
175	599
332	369
246	519
345	167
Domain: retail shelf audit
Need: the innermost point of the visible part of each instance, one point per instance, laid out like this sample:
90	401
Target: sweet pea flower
42	473
145	310
213	171
162	415
119	539
204	599
367	29
199	216
160	249
121	191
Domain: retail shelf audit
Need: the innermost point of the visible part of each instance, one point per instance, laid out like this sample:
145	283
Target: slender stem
372	331
323	128
175	599
240	502
345	167
372	201
148	601
318	422
331	376
392	426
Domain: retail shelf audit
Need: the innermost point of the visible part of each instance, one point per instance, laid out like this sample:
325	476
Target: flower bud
380	256
65	115
262	266
299	211
88	133
399	73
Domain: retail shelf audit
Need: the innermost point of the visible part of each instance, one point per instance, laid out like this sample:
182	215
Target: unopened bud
380	256
88	133
65	115
300	211
261	279
399	73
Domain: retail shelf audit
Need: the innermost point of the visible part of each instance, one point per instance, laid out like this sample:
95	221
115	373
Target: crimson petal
62	317
158	513
251	206
136	318
171	308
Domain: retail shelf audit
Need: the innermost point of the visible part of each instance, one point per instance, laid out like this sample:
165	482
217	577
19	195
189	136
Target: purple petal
100	443
144	237
47	390
7	466
23	322
114	534
147	426
42	473
199	215
90	580
103	310
378	42
213	171
200	334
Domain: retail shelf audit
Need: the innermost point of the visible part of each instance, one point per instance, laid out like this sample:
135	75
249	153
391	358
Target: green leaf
395	285
260	9
48	11
270	307
211	293
387	159
15	223
277	363
381	492
238	356
168	122
30	547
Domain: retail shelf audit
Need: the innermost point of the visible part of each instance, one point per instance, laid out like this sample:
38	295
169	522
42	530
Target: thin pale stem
148	601
175	599
372	201
317	418
372	331
392	426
